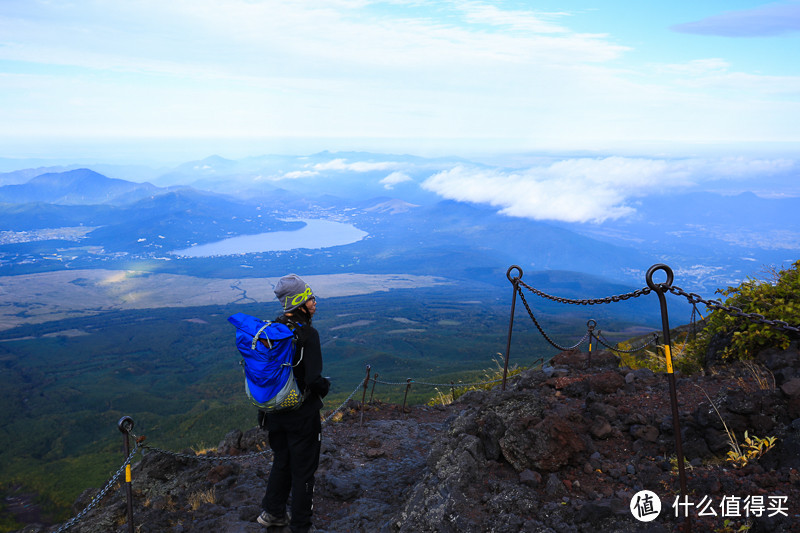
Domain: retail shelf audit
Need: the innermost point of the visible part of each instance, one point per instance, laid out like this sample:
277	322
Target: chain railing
518	284
593	301
545	335
605	342
716	305
126	425
100	495
660	289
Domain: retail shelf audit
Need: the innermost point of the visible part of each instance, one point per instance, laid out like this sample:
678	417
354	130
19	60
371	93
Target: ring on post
660	286
125	424
515	278
591	324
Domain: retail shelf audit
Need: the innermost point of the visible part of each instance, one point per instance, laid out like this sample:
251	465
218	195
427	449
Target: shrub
653	358
739	338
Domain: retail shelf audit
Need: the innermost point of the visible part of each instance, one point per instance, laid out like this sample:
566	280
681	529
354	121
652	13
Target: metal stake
591	324
374	381
660	289
515	282
125	425
405	397
364	396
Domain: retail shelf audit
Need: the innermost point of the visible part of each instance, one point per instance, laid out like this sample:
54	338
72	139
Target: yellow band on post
127	473
669	358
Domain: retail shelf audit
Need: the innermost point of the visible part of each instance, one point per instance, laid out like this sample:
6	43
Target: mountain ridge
71	187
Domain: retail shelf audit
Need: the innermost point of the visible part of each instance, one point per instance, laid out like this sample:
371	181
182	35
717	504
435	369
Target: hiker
294	436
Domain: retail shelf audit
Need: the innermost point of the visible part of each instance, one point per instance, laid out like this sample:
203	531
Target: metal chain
207	457
719	306
234	457
605	343
392	382
69	523
594	301
548	339
457	385
342	404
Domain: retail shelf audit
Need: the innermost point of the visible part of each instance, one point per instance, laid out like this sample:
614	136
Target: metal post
405	397
591	324
364	396
452	390
515	282
125	425
374	381
660	289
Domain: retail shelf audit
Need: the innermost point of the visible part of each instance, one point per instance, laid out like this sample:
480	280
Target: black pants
295	442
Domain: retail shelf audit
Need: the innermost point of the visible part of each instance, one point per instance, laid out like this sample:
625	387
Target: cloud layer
472	73
590	190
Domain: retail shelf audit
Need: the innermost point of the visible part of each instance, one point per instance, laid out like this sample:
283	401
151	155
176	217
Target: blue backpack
268	349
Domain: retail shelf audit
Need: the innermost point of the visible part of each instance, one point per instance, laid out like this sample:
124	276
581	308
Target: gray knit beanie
292	292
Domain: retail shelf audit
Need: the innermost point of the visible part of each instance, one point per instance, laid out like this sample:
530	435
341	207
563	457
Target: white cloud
395	178
300	174
589	190
481	13
464	72
358	166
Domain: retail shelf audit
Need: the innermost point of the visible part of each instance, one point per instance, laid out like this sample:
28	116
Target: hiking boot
266	519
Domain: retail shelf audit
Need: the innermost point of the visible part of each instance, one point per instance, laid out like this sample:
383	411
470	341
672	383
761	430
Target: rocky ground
563	449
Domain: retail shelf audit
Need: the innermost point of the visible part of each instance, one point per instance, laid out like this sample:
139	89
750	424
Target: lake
315	234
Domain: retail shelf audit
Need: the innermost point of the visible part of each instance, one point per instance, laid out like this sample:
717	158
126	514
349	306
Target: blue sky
187	78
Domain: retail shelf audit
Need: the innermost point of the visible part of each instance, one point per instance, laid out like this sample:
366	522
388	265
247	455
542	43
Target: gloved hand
321	386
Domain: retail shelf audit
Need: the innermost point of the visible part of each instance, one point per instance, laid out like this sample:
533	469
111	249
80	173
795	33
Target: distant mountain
35	216
716	240
391	207
464	240
182	218
354	176
76	187
712	240
17	177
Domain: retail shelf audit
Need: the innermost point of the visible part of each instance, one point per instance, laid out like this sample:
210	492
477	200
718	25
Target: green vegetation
777	298
488	381
735	338
752	449
653	357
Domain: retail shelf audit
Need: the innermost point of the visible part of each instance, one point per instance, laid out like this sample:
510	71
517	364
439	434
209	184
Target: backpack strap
299	360
258	334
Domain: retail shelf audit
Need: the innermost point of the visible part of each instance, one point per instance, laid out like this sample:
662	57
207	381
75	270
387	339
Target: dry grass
763	377
202	449
198	499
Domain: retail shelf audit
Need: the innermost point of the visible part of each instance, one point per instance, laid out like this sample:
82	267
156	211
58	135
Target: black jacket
308	370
